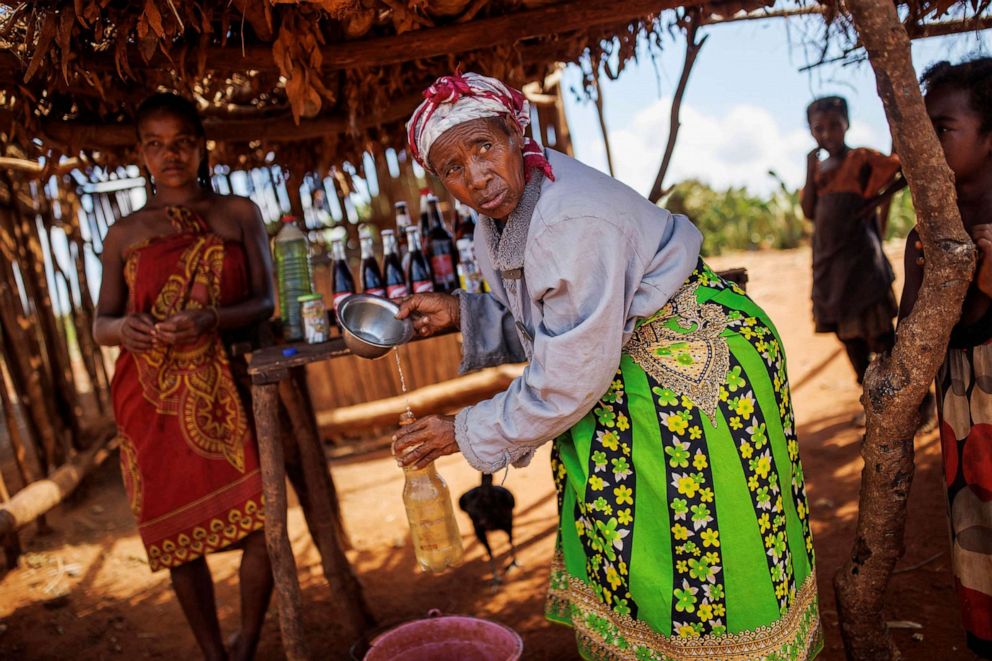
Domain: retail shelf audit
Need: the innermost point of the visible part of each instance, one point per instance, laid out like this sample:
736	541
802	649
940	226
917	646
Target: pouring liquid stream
399	368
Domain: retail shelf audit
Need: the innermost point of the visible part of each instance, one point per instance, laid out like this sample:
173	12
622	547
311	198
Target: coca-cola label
422	286
397	291
443	267
376	291
340	296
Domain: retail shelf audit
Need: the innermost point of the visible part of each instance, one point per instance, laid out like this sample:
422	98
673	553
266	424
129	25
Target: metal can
314	315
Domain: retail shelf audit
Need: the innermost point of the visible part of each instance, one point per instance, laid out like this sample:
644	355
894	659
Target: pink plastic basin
447	638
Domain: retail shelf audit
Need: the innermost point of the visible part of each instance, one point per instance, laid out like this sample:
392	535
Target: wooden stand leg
265	399
337	570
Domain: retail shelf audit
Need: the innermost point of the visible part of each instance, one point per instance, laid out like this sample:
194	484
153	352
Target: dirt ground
83	591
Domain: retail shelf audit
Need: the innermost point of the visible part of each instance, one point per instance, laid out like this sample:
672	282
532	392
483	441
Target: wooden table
278	381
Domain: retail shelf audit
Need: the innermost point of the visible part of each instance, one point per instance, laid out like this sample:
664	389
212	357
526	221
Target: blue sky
744	108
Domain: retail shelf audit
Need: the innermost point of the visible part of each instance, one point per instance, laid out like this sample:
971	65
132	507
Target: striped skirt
685	528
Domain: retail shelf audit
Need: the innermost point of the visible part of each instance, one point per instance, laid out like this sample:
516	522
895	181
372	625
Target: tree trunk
692	48
896	384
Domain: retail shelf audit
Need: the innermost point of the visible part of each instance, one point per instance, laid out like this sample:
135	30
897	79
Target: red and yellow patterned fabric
188	455
964	386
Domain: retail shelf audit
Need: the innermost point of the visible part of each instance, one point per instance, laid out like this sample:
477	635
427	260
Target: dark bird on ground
490	508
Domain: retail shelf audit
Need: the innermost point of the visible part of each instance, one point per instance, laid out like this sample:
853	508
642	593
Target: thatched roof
318	81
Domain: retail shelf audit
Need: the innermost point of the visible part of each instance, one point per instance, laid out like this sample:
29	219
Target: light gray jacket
579	261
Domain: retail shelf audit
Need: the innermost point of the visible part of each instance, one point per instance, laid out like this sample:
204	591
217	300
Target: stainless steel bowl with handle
370	327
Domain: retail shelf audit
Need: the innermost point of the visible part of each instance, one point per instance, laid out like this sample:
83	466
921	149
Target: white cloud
737	148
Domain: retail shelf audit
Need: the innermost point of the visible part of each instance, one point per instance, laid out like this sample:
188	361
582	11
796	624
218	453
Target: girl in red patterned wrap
180	276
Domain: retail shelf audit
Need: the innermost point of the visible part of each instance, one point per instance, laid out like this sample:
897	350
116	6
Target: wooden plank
276	129
268	365
265	403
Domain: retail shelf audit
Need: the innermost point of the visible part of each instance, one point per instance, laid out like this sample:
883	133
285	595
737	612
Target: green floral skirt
684	522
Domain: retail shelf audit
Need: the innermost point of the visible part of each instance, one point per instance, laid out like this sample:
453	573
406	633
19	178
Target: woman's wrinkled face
481	164
828	128
170	149
967	148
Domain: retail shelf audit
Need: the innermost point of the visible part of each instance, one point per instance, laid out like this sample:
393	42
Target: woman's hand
431	313
982	236
425	440
187	326
137	332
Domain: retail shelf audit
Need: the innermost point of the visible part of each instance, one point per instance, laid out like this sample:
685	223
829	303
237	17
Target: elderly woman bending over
685	527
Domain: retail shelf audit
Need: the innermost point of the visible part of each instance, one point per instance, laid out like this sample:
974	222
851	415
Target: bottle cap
464	244
287	218
290	351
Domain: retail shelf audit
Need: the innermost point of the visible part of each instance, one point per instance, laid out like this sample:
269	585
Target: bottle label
422	286
338	297
396	291
443	268
376	291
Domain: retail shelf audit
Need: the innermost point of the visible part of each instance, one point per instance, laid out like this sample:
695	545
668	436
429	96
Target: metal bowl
370	327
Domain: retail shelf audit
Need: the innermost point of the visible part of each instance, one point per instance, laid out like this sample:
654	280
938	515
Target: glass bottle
437	543
392	271
372	283
441	251
402	222
342	282
293	275
469	277
418	273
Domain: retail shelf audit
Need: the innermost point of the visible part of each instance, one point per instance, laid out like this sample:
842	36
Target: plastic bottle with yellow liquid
437	543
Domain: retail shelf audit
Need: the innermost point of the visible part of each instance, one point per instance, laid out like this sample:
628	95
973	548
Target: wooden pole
895	385
322	500
265	403
435	398
692	48
39	497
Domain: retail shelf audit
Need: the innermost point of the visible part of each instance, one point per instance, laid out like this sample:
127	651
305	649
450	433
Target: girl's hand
425	440
137	332
187	326
431	313
982	236
813	162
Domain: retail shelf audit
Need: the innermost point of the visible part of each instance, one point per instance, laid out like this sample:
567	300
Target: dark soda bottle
418	273
465	229
425	217
342	282
392	271
441	251
371	275
402	222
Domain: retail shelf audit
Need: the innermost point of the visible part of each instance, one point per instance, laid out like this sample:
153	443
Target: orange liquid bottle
437	543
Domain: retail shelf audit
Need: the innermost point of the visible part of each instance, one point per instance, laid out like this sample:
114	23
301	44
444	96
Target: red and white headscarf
459	98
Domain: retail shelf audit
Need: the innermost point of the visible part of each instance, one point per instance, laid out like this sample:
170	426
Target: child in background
852	279
959	102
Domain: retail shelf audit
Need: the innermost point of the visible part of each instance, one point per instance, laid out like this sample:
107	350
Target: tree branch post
692	48
896	384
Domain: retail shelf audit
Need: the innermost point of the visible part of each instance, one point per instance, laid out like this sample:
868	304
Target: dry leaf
65	36
154	18
44	42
